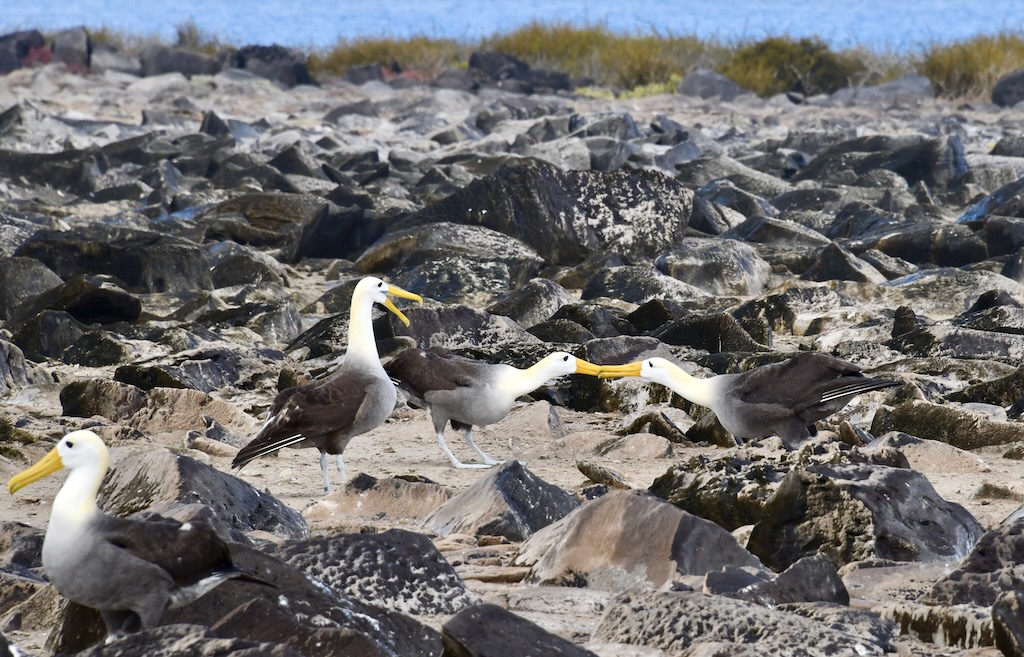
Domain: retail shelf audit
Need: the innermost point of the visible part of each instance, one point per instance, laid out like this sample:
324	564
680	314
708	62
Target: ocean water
885	25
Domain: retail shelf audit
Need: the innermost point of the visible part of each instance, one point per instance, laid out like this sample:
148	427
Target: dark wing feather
314	412
187	555
797	381
419	372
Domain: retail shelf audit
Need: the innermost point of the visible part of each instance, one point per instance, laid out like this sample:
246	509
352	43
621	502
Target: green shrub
971	68
779	64
417	53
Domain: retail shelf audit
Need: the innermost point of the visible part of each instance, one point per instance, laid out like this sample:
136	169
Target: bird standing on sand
471	393
783	399
357	397
131	571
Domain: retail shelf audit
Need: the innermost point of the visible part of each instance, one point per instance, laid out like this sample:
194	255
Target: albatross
783	399
470	393
357	397
130	570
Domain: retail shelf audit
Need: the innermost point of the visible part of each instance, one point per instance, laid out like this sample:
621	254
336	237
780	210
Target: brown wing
806	381
187	552
421	371
311	412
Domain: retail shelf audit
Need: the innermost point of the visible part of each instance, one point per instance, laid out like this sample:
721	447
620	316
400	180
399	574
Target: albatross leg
468	435
323	470
340	463
455	461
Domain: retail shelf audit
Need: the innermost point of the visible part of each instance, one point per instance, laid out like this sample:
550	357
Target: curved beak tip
585	367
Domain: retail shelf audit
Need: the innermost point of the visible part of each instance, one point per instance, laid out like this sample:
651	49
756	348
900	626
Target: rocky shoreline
177	244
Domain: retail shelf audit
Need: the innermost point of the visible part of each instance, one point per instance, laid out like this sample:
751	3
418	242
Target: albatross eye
69	443
565	359
380	283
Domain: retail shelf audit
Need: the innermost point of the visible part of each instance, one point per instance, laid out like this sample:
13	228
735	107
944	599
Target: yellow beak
47	465
584	367
394	290
616	371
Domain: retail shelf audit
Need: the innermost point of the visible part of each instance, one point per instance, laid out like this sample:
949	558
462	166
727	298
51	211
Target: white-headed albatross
129	570
471	393
783	399
357	397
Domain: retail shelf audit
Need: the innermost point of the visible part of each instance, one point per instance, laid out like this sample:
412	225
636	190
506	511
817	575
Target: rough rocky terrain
175	247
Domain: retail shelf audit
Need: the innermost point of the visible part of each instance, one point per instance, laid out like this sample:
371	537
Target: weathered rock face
950	424
137	482
678	621
22	279
510	501
717	266
992	568
623	540
858	512
565	215
487	629
145	261
397	569
171	640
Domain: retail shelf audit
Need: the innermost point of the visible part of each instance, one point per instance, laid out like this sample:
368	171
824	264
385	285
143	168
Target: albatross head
655	369
78	449
377	291
560	363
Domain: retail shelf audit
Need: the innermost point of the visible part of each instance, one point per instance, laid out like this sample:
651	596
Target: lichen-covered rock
487	630
113	400
566	215
948	423
677	622
993	567
533	302
396	569
717	266
22	279
856	512
964	626
639	284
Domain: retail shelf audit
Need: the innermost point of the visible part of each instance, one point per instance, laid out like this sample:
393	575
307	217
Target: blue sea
903	26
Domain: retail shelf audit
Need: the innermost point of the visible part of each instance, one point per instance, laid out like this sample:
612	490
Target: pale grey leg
468	435
455	461
340	462
323	470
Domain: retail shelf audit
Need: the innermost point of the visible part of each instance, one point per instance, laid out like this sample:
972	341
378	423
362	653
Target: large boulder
856	512
624	540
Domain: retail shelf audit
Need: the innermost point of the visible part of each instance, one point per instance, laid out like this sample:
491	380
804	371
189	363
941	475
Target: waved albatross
783	399
358	396
468	392
129	570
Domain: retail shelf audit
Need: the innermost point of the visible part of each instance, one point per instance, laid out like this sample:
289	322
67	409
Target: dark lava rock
287	66
22	48
110	399
450	327
1007	201
1007	625
21	544
139	481
836	263
22	279
1009	89
782	310
160	59
1003	391
487	630
676	621
613	556
811	579
96	349
993	567
718	267
182	639
856	512
205	370
89	299
396	569
730	492
712	333
706	83
509	501
924	243
948	423
48	334
639	284
532	303
938	162
567	215
143	261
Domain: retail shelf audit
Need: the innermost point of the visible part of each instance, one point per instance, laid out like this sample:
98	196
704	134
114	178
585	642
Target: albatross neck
521	382
362	345
697	391
75	503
